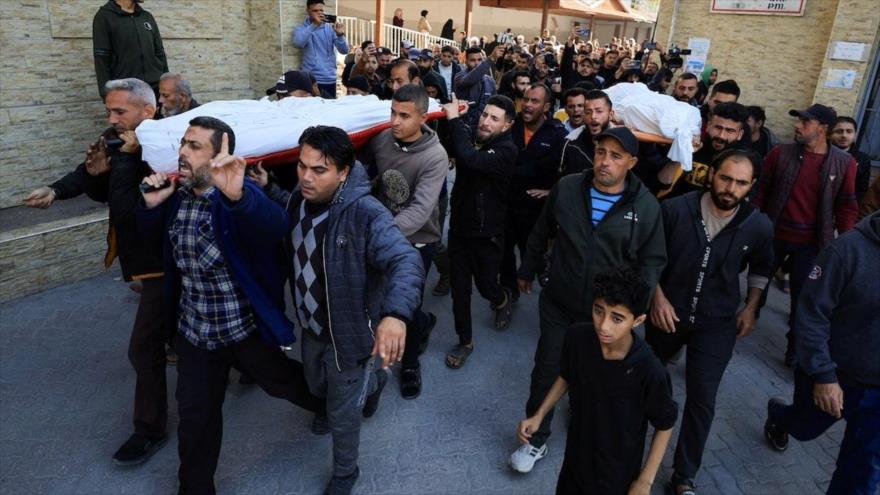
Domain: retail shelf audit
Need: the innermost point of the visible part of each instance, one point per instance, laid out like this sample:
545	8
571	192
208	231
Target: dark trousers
201	388
441	252
858	462
554	323
146	352
328	91
417	330
476	259
799	259
517	228
709	349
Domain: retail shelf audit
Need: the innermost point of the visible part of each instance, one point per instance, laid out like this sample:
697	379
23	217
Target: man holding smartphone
317	37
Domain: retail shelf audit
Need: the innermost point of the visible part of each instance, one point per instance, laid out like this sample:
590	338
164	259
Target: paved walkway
66	396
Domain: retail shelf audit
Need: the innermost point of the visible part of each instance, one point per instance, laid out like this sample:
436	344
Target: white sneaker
524	458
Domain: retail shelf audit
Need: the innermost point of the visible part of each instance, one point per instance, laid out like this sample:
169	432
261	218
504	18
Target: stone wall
779	62
49	104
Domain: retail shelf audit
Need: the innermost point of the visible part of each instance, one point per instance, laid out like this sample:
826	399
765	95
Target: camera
674	60
330	18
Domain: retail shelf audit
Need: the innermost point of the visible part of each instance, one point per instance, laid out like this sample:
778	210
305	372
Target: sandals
456	358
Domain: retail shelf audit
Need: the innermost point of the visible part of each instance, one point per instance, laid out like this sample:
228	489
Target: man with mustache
602	218
175	95
714	234
808	189
724	130
579	145
476	226
224	290
111	174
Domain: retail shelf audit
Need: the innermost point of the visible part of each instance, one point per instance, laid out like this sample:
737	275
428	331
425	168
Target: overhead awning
607	10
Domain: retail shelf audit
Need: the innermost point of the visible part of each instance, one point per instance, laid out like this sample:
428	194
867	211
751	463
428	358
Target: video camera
674	58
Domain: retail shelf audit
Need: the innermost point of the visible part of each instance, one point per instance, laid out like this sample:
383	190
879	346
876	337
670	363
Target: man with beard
538	138
696	300
477	82
476	227
579	146
724	130
599	219
760	138
685	89
175	95
223	290
843	135
519	82
807	188
111	175
521	62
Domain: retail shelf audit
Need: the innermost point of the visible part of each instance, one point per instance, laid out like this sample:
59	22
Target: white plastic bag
643	110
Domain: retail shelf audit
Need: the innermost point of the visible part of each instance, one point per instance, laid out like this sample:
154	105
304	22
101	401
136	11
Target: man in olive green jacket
127	43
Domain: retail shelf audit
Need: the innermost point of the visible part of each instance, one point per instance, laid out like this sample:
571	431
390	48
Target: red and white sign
758	7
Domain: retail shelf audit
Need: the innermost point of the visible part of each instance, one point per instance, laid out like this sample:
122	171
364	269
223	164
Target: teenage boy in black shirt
616	386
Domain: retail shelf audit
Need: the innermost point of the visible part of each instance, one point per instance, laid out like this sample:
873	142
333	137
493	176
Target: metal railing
358	30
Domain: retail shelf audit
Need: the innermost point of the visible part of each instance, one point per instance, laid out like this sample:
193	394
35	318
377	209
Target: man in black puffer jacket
479	204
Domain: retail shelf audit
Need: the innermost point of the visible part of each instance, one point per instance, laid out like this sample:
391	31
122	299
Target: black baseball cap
623	136
358	82
427	53
291	81
822	113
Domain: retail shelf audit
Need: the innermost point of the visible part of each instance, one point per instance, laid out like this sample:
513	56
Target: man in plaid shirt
225	281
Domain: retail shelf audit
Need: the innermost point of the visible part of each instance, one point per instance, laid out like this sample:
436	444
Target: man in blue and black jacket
837	337
714	234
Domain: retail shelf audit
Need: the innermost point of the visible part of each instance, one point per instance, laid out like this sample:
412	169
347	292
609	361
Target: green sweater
127	45
631	233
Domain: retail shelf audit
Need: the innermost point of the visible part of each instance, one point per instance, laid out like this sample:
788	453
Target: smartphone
330	18
584	33
651	46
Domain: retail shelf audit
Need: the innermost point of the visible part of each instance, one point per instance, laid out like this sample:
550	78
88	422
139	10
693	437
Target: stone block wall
49	104
776	60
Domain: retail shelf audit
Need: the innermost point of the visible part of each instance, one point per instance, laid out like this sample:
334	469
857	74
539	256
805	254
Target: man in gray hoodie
411	169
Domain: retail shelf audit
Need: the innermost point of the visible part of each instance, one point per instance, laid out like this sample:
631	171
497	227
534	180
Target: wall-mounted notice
758	7
696	61
840	78
845	50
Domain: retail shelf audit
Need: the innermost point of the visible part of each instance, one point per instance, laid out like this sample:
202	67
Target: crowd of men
547	187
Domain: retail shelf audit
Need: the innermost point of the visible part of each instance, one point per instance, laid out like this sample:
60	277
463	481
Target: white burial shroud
262	126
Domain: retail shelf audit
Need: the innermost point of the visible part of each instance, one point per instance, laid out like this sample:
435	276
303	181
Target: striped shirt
601	204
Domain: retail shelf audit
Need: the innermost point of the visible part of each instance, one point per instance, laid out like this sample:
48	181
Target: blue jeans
858	462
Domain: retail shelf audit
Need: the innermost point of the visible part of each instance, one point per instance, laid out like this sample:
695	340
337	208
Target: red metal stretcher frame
362	137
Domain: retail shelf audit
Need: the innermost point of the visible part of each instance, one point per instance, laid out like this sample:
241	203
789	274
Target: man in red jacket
807	189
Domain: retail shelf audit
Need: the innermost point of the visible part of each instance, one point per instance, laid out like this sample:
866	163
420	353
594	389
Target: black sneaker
137	449
372	403
342	485
776	437
320	425
503	311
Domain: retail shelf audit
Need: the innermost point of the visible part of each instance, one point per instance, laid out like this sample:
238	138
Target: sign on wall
758	7
696	61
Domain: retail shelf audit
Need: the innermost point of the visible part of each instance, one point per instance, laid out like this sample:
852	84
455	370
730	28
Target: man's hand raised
227	171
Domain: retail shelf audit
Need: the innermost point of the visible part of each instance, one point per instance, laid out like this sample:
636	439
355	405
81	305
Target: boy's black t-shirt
611	404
